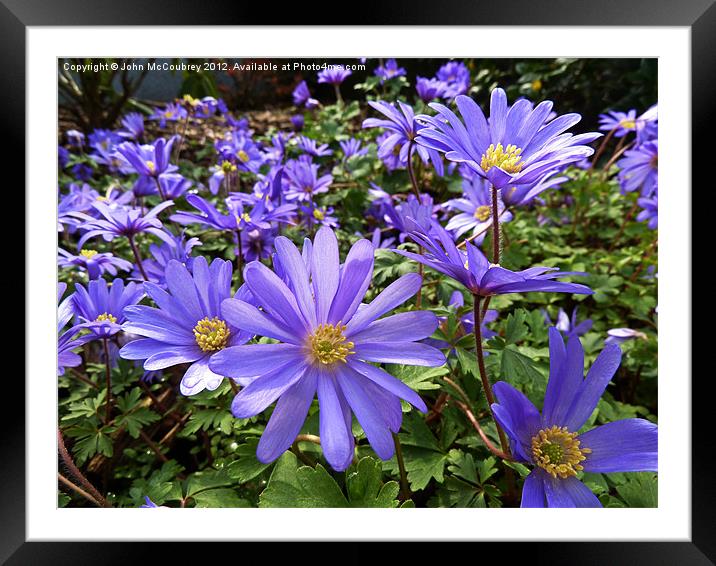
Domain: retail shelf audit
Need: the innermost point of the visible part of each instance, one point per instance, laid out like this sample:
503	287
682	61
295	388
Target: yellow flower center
482	213
243	156
168	114
328	344
228	167
628	124
151	166
106	317
88	253
211	334
245	217
318	214
508	159
189	99
557	451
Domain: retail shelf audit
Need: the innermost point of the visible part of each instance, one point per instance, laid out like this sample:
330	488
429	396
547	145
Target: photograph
376	282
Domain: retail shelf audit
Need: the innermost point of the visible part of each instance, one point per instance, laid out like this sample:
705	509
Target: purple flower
639	169
314	215
647	126
122	221
514	148
650	210
100	309
389	71
66	341
79	199
75	138
352	147
456	77
378	241
551	441
188	326
104	140
238	148
63	156
147	160
475	210
622	123
297	121
93	262
326	336
430	89
312	148
172	112
472	269
334	75
302	96
302	180
621	335
403	130
133	124
569	327
257	244
82	171
411	211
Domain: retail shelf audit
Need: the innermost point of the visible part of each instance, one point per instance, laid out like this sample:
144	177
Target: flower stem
137	257
495	228
74	470
404	487
239	257
411	171
108	380
159	188
601	148
339	98
78	490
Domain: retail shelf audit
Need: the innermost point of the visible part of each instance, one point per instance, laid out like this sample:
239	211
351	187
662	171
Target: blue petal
630	445
568	492
533	491
336	434
263	391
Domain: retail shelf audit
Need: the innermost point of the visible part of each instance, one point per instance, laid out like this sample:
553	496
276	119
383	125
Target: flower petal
518	416
408	353
252	360
287	418
247	317
325	268
199	377
355	279
533	491
629	445
404	327
336	435
261	392
389	383
569	492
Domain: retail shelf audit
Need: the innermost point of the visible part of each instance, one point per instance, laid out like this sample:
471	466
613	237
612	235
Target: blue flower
390	70
93	262
475	210
100	307
302	96
551	441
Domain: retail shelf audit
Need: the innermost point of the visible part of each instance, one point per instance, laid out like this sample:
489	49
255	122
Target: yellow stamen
328	344
507	159
245	217
243	156
318	214
211	334
189	99
557	451
482	213
228	167
151	166
628	124
106	317
88	253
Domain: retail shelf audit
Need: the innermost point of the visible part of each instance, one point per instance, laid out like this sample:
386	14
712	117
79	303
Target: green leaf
210	479
640	490
221	497
515	328
365	486
290	486
246	467
518	368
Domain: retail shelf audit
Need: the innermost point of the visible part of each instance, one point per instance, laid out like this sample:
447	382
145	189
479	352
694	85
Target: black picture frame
698	15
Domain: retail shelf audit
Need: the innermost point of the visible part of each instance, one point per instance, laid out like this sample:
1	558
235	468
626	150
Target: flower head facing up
472	269
188	326
390	70
551	441
515	147
303	181
100	308
313	308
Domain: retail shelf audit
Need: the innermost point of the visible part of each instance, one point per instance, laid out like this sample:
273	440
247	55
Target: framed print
359	282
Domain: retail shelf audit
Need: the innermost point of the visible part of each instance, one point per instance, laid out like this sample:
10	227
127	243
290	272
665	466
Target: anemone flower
621	122
67	341
430	89
639	169
94	262
515	147
100	307
389	70
551	442
479	276
311	147
325	342
302	96
569	326
475	210
303	181
188	326
456	77
524	195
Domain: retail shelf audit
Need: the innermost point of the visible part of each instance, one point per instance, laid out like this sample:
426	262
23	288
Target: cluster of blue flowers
286	325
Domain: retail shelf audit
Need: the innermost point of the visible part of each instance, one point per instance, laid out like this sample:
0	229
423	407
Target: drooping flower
403	130
621	335
639	169
472	269
297	121
430	89
569	326
551	441
650	210
93	262
326	340
456	77
188	326
621	122
514	148
302	96
122	221
100	307
475	210
311	147
390	70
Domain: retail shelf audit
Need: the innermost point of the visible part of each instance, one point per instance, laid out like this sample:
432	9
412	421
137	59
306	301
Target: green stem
108	379
404	487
